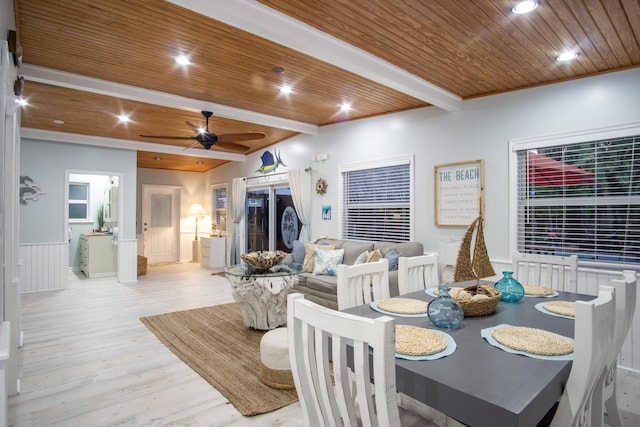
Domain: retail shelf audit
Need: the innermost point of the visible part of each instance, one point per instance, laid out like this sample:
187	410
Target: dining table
480	384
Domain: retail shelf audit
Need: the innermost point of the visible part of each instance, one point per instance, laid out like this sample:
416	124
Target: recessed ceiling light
277	70
123	118
567	56
525	6
58	122
285	89
199	163
345	106
182	60
157	158
22	102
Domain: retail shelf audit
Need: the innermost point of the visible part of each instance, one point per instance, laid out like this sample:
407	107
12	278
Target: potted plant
101	216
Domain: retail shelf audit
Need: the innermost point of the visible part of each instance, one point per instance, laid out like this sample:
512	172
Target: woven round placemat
566	308
403	305
532	340
537	290
415	341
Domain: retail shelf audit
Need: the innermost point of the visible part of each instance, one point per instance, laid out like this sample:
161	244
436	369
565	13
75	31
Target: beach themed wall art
459	192
29	190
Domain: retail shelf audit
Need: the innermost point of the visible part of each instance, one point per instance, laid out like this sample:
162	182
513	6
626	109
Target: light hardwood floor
87	360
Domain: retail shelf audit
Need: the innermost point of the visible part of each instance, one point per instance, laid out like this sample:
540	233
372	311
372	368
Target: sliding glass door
272	221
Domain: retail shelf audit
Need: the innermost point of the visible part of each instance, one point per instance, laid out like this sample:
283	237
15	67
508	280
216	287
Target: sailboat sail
468	268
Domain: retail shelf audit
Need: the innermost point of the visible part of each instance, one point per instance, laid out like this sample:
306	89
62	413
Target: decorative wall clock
321	186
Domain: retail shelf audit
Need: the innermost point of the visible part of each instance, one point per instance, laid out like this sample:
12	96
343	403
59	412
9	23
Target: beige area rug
214	342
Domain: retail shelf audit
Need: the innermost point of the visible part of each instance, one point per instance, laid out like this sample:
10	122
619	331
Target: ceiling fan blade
193	127
231	146
192	145
233	137
166	136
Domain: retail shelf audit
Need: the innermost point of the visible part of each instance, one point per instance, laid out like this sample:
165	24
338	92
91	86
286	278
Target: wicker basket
480	307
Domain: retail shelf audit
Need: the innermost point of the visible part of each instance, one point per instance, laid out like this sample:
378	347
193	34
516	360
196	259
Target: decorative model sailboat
468	268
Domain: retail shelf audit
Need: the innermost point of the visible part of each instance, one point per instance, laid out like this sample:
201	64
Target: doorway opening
92	203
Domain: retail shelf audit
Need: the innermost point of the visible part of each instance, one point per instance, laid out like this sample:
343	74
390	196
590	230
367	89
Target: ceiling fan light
285	89
567	56
182	60
525	6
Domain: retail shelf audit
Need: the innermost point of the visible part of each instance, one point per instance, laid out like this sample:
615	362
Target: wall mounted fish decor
270	162
29	190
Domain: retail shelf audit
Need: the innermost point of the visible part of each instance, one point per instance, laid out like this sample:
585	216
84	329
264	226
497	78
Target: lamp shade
196	210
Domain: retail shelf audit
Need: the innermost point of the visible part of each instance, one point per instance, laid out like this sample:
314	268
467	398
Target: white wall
480	130
47	162
192	191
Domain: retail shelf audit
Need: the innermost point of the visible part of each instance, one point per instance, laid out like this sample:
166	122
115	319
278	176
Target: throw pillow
298	252
374	256
326	261
392	255
362	258
309	248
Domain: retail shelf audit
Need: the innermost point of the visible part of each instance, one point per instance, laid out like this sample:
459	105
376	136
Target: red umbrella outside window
544	171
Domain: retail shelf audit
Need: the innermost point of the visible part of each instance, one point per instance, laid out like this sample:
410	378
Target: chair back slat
556	272
581	401
417	273
362	283
318	342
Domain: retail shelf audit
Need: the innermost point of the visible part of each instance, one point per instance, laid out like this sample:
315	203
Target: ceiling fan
209	139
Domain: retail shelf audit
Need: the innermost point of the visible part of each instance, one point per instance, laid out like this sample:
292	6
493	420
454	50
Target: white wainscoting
127	260
589	279
44	266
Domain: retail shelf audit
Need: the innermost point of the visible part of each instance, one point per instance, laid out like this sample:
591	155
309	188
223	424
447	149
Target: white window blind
581	198
377	203
220	208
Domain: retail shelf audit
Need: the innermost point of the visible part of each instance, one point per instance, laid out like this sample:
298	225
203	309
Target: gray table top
479	384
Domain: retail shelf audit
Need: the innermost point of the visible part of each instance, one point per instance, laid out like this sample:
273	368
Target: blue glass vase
445	311
512	290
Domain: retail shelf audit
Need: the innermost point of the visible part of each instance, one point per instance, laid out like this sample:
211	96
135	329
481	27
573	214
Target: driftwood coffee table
263	295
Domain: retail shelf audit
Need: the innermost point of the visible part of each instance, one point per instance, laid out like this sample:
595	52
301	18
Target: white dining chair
556	272
625	309
581	400
417	273
318	338
362	283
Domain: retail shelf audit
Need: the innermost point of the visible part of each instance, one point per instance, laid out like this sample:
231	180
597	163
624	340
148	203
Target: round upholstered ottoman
275	369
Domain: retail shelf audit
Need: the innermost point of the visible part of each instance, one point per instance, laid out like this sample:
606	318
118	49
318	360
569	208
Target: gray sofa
322	289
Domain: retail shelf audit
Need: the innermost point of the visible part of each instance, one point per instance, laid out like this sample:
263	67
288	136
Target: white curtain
300	184
239	193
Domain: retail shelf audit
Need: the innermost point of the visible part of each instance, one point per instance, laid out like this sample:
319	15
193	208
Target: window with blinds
377	202
581	198
219	199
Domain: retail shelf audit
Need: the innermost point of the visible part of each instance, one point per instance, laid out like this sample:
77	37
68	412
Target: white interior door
160	223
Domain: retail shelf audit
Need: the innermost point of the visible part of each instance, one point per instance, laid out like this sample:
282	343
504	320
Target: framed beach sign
459	192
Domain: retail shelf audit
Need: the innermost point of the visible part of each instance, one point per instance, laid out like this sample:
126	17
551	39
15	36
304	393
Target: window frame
375	164
79	202
625	130
216	212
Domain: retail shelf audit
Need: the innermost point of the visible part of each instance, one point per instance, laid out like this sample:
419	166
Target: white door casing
161	222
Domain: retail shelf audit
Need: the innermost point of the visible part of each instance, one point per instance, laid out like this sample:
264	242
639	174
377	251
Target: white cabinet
97	255
111	204
213	252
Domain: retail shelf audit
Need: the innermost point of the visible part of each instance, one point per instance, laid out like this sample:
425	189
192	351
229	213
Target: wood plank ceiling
87	61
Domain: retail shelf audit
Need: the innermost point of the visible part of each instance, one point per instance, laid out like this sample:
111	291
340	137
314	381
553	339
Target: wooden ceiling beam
282	29
74	138
89	84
